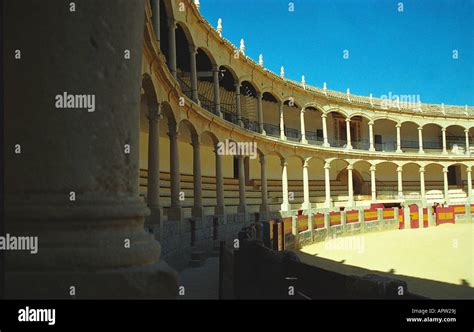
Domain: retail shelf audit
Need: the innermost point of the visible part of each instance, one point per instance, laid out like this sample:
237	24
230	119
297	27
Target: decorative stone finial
219	27
260	60
325	88
242	46
197	3
282	71
303	80
348	93
371	101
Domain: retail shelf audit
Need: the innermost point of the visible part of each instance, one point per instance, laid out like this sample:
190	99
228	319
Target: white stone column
285	206
194	81
303	131
153	183
325	130
75	184
327	182
197	210
220	203
350	186
282	122
422	183
420	139
371	136
175	211
348	134
217	97
264	188
172	45
260	113
373	188
238	106
155	9
400	181
469	183
466	131
443	132
306	201
242	195
446	184
399	140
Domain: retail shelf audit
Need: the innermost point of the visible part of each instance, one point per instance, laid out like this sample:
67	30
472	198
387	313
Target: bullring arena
318	164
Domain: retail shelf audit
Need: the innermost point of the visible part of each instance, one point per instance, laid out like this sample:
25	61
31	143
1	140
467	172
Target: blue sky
409	52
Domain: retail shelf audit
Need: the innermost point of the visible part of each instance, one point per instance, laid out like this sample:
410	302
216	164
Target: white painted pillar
327	181
175	211
422	183
303	131
242	194
197	210
350	186
194	81
306	202
153	184
371	136
420	139
446	184
469	183
372	183
348	134
282	123
399	140
466	131
400	181
285	206
217	97
238	107
172	45
260	113
220	202
443	132
325	130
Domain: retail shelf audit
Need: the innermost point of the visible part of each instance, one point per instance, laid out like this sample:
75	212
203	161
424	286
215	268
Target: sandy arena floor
436	262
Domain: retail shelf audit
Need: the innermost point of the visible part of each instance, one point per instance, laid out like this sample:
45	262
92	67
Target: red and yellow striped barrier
370	215
425	218
352	216
318	220
414	216
271	222
459	209
334	218
302	223
401	219
287	225
388	214
444	215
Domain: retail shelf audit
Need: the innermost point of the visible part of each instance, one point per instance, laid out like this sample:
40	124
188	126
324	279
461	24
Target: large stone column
348	134
466	131
422	184
350	186
371	136
172	45
153	184
197	210
373	188
420	140
400	181
443	132
220	204
469	183
446	184
238	106
399	139
155	9
264	188
306	202
325	130
175	212
303	131
285	206
194	80
75	183
282	122
260	113
327	182
217	97
242	195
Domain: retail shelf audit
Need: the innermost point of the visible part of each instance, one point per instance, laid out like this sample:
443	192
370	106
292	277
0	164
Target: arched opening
359	129
411	181
291	118
227	81
271	114
409	136
385	135
205	80
434	183
248	105
339	188
386	181
313	125
455	139
183	60
432	137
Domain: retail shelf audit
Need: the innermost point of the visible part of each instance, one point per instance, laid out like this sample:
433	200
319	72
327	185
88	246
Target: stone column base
219	210
175	213
197	212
